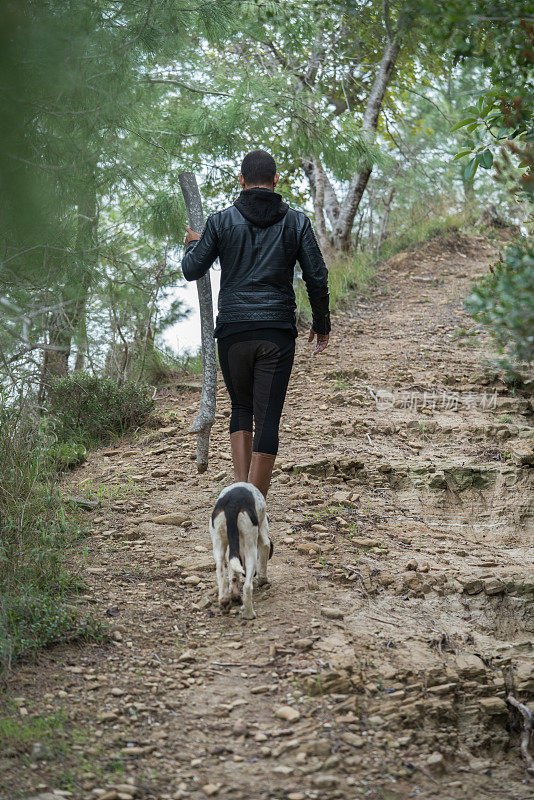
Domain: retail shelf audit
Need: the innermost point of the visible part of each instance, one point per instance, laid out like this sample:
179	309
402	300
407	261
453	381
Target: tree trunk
371	220
311	167
68	322
385	219
319	207
341	215
79	364
87	258
56	353
349	207
206	413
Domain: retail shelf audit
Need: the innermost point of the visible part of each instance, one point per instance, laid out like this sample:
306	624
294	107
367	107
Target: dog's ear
271	548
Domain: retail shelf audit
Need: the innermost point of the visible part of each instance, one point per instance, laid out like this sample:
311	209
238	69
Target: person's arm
315	276
201	253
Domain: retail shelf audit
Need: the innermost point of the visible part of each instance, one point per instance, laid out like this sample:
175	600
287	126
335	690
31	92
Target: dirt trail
401	607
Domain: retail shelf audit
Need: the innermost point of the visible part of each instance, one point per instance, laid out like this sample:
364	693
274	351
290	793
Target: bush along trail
400	615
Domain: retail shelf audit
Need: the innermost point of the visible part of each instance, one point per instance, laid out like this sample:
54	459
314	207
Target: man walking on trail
258	240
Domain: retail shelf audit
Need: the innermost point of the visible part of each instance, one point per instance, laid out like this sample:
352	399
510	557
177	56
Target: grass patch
111	491
17	734
36	528
348	274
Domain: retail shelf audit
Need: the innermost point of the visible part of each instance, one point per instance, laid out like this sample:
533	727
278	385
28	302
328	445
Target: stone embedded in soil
494	706
328	681
182	520
353	739
127	789
325	781
493	586
341	497
436	763
211	789
303	644
40	752
332	613
283	769
472	585
470	666
287	713
522	453
187	655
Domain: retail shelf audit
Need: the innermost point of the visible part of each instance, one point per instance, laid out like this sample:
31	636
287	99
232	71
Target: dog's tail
234	502
232	531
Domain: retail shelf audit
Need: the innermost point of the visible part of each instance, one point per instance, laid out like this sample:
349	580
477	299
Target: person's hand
322	341
191	236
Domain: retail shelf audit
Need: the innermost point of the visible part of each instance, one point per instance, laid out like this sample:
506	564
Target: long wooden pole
206	413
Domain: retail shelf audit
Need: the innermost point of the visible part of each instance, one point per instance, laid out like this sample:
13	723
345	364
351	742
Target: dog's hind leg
219	554
250	556
233	585
247	609
264	549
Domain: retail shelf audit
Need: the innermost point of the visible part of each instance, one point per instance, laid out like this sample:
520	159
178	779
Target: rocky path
400	613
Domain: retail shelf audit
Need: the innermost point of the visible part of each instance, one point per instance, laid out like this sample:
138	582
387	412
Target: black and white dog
239	524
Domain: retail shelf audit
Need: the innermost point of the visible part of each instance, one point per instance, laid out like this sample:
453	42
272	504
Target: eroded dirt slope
401	608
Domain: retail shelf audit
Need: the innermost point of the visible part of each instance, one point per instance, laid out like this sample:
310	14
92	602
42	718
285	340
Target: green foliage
35	530
66	455
163	366
346	274
19	733
29	623
503	300
487	120
91	410
167	217
499	37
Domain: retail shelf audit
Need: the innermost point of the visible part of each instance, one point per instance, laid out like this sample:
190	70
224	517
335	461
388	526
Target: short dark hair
258	167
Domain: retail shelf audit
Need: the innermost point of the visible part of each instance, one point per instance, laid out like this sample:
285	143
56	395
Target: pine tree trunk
358	184
56	353
206	413
312	167
69	322
79	364
87	259
385	219
342	215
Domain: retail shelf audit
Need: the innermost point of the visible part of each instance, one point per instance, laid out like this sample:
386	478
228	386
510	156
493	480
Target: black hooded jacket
258	241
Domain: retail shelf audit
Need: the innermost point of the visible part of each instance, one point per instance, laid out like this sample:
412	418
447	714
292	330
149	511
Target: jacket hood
262	207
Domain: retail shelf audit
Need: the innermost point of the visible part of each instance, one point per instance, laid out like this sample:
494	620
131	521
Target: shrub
503	301
35	530
89	410
164	366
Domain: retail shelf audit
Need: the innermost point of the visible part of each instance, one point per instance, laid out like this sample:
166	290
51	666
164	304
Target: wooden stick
528	727
206	413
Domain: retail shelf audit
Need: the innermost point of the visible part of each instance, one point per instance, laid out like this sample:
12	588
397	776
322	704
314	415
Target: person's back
258	241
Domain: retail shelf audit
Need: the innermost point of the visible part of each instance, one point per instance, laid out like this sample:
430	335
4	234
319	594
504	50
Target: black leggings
256	366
